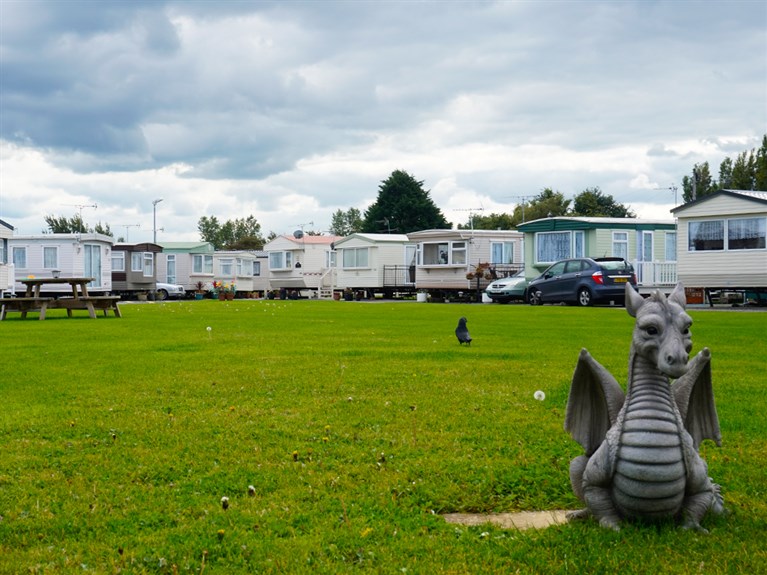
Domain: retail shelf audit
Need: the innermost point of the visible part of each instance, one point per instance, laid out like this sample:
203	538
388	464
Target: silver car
508	289
165	291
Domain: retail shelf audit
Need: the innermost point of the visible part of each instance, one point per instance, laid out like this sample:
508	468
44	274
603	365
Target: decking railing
651	274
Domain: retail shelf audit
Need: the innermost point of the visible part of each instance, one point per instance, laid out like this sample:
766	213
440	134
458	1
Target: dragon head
662	329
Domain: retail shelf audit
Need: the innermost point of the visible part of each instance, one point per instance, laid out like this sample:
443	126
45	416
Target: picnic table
80	299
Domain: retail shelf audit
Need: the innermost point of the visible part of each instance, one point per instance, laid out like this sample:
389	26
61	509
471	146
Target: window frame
23	251
442	253
119	257
202	264
286	260
356	259
576	245
761	238
55	264
726	233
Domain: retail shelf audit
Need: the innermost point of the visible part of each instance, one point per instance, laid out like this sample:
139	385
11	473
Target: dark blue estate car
582	281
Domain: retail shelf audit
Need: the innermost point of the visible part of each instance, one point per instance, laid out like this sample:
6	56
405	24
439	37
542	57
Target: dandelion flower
220	534
225	502
539	395
295	456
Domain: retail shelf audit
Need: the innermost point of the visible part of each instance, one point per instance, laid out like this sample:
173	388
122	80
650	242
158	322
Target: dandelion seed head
539	395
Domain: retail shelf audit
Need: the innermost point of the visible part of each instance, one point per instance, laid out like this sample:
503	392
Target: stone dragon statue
641	457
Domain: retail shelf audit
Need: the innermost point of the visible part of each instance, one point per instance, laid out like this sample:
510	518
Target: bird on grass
462	333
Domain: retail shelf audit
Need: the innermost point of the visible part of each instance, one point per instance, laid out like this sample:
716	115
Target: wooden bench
104	303
42	304
24	305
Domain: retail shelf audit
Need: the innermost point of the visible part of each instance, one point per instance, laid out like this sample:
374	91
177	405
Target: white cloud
290	111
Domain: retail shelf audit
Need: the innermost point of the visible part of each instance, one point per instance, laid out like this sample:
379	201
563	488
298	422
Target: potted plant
199	290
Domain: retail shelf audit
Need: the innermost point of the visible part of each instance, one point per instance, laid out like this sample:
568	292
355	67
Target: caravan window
280	260
50	257
443	253
202	264
20	257
118	261
226	267
746	233
355	257
705	236
501	252
554	246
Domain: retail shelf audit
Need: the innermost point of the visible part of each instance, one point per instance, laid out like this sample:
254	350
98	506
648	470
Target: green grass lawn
357	425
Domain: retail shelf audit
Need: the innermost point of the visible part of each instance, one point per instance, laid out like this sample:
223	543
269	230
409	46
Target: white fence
651	274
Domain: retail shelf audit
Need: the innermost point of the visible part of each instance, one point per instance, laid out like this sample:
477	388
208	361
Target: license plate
620	280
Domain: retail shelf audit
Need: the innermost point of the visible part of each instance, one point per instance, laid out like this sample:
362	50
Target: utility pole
154	218
523	202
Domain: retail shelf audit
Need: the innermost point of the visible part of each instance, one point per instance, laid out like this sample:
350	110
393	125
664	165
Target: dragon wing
694	396
594	402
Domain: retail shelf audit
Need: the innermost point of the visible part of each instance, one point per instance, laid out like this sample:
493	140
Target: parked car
508	289
165	291
582	281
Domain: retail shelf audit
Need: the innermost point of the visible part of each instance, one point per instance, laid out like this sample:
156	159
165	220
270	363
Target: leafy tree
403	206
592	202
760	167
346	223
238	234
73	225
490	222
743	172
102	229
700	184
547	203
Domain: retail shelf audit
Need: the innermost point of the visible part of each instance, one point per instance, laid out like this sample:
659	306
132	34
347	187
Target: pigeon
462	333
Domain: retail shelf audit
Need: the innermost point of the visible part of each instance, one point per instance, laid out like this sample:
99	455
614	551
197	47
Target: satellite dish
298	234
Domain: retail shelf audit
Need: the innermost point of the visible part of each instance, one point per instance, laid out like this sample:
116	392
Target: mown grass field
357	425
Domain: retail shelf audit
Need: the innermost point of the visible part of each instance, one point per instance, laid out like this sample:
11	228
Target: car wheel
534	297
584	297
161	295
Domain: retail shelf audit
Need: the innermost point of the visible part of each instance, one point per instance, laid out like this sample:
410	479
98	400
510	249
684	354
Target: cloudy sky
292	110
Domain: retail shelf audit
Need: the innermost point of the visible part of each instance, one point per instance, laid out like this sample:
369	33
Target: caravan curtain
746	233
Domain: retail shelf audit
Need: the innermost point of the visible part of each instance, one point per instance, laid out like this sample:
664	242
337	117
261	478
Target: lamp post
154	218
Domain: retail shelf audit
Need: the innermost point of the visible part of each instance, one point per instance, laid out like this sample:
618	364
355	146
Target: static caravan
7	278
723	243
242	268
186	264
445	258
134	268
650	245
67	255
302	262
375	263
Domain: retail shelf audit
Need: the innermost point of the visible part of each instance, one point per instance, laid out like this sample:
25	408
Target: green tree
743	172
238	234
760	167
546	204
700	184
591	202
725	174
346	223
403	206
73	225
490	222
